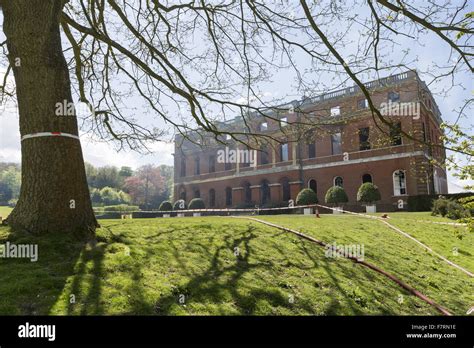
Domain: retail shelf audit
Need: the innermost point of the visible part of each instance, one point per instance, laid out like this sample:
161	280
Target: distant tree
10	181
147	187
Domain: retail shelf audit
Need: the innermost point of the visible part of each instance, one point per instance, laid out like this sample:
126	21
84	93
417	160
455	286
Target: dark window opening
396	134
364	143
197	194
212	198
366	178
264	155
212	164
265	192
286	192
338	181
228	196
312	150
247	193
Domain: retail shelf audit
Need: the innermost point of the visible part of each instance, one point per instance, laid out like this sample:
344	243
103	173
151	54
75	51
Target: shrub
179	205
12	202
306	197
120	208
165	206
336	195
456	211
196	203
368	193
440	206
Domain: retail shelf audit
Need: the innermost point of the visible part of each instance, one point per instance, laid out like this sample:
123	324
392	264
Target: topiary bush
196	203
306	197
368	193
165	206
179	205
336	195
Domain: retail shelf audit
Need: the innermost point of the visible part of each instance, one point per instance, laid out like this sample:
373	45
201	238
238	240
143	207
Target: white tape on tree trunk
49	134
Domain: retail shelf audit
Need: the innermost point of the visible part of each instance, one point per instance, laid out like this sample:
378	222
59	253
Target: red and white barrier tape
49	134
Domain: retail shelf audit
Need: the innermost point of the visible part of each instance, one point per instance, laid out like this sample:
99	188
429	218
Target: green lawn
4	211
226	266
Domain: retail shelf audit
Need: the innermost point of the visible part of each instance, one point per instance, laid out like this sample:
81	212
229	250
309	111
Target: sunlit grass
226	266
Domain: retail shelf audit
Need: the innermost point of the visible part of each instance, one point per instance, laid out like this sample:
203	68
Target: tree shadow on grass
33	288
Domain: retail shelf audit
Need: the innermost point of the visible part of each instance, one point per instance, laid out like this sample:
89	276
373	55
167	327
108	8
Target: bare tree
195	64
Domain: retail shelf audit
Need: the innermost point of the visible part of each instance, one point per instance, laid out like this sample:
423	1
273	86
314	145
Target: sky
101	153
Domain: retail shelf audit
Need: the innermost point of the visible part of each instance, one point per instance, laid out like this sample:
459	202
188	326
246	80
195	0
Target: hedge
425	202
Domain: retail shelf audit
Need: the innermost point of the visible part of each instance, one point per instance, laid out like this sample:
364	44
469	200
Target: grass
5	211
226	266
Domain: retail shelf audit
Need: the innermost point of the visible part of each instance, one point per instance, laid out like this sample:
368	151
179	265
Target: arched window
313	185
285	187
228	196
265	191
247	193
366	178
212	197
197	193
338	181
399	183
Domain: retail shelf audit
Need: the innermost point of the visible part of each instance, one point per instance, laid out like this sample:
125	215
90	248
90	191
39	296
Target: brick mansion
319	142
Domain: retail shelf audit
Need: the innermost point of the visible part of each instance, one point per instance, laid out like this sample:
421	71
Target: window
285	186
284	121
212	198
197	166
393	97
399	183
228	196
247	192
336	143
313	185
182	195
212	164
265	191
362	104
227	165
284	152
364	143
396	134
424	131
336	111
312	150
182	167
338	181
197	193
366	178
264	155
263	126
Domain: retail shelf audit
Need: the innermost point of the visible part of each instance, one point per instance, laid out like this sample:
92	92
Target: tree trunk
54	195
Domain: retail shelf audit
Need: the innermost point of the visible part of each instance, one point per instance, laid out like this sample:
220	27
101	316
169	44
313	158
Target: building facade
332	139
